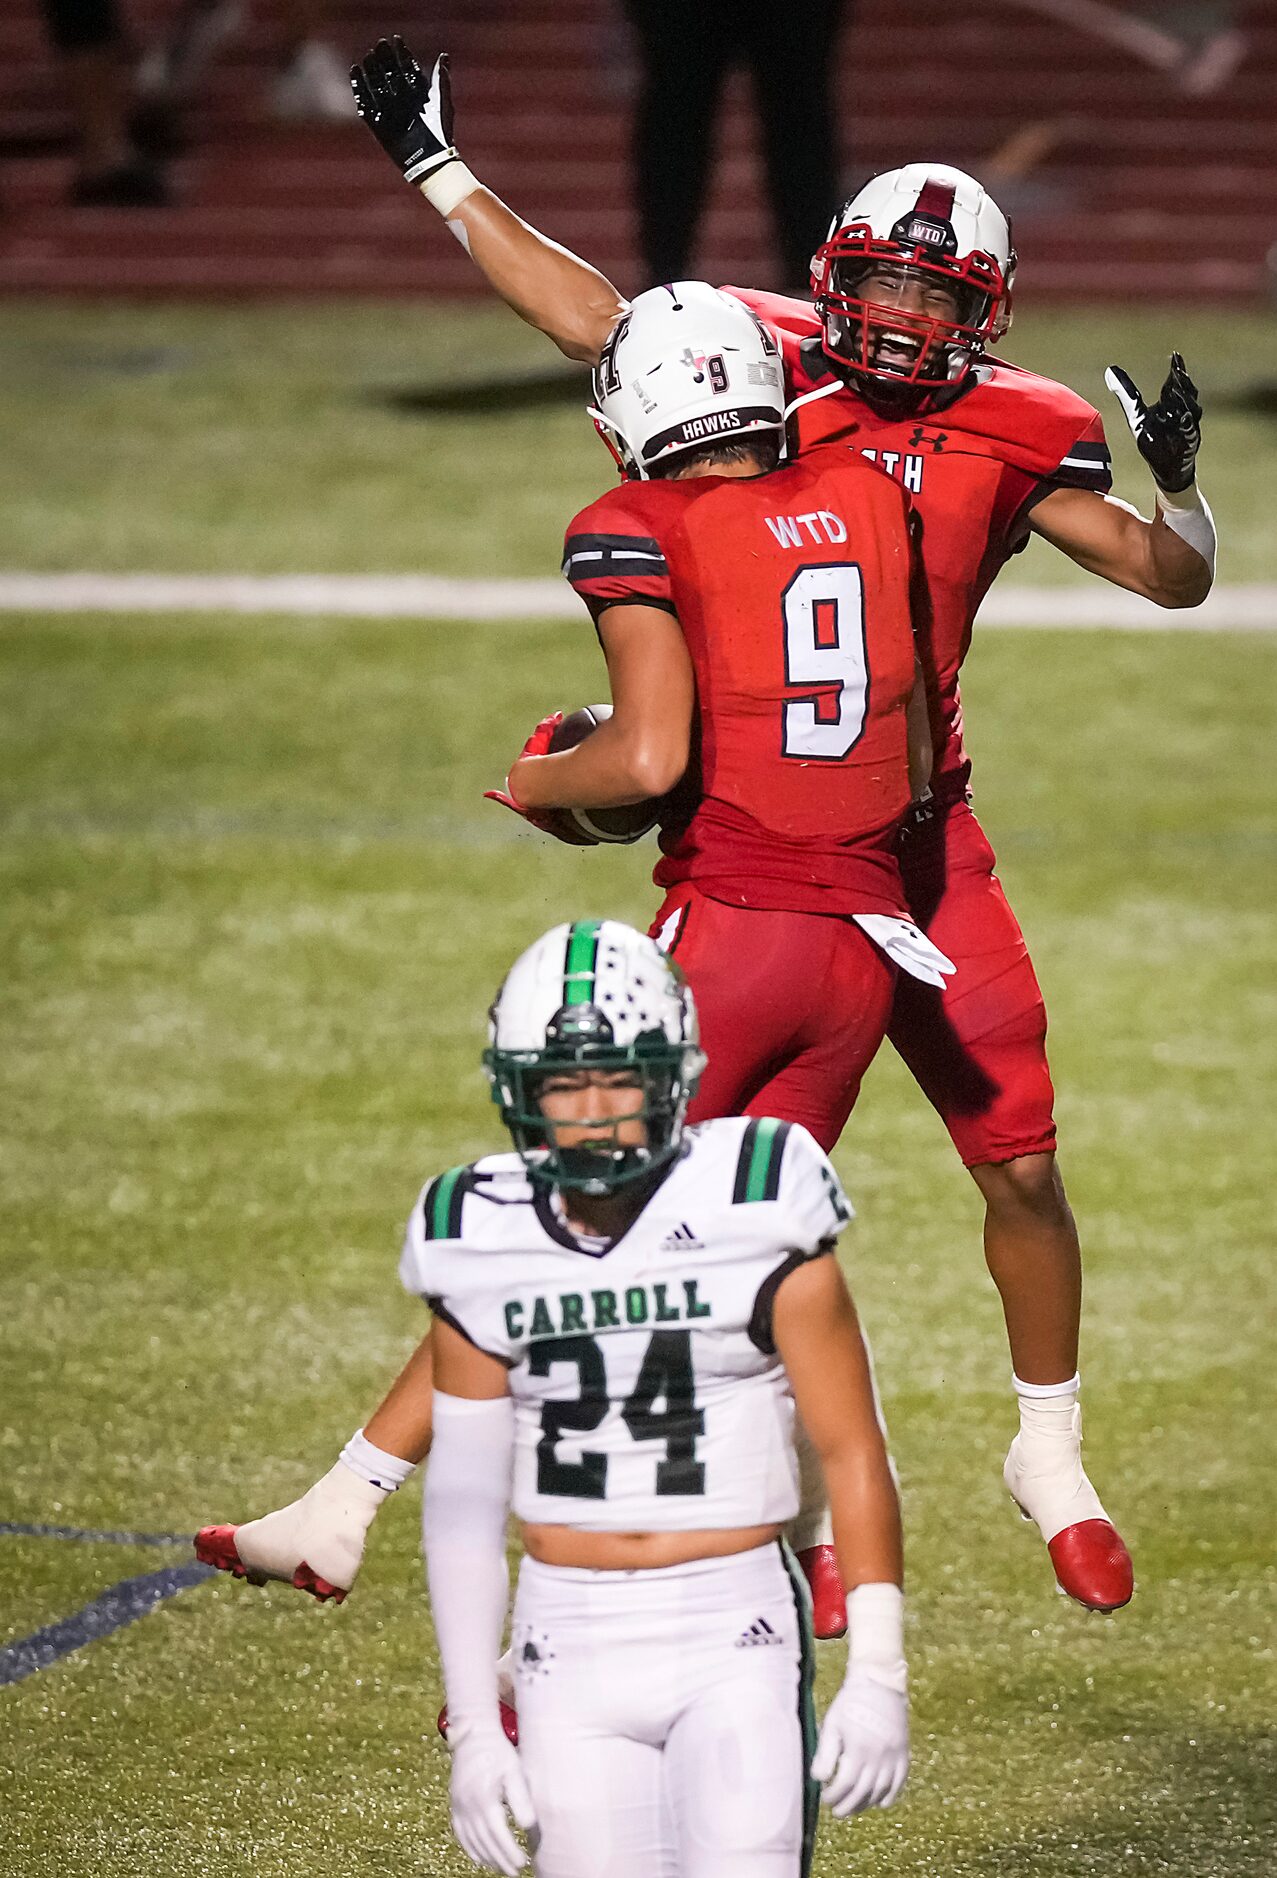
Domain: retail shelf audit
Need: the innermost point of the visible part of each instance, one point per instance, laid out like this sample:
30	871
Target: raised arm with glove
1168	435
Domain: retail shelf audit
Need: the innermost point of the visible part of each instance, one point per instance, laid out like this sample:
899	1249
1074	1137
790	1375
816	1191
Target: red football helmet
931	225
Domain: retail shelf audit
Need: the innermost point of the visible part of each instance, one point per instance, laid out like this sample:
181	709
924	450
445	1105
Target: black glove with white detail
1168	434
410	117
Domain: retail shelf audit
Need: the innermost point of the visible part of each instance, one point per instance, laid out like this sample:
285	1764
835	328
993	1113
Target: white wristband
1187	514
374	1465
876	1626
447	187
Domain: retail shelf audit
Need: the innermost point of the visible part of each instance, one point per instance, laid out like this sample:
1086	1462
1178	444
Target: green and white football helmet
595	994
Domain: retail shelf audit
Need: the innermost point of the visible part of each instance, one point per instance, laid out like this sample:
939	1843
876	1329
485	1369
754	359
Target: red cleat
509	1721
828	1604
1092	1565
215	1545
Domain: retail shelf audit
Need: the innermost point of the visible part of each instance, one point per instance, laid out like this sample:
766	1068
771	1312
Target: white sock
1047	1409
1044	1469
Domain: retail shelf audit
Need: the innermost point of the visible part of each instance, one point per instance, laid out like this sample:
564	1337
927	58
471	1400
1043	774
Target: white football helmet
942	225
684	367
595	994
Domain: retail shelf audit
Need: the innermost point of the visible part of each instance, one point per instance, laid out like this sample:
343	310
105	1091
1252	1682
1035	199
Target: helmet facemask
581	1038
936	352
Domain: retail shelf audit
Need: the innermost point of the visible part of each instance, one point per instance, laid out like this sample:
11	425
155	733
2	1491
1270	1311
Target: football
629	823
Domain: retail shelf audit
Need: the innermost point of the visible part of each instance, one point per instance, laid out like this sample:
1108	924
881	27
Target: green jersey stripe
442	1209
579	965
762	1150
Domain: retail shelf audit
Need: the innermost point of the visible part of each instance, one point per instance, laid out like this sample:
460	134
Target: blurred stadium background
252	907
1123	179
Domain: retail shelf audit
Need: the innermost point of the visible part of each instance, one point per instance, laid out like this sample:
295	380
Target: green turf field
252	909
275	439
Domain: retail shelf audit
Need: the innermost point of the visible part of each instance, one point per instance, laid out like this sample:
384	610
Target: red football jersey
793	594
973	470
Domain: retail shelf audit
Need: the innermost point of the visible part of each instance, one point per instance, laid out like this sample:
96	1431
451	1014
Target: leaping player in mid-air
911	287
756	620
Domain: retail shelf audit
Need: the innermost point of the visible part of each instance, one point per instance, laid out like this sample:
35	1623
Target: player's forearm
464	1512
1183	564
409	111
1108	537
1149	558
614	767
401	1424
865	1508
546	285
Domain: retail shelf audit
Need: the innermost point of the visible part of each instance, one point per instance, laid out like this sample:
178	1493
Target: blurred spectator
315	82
112	169
1195	42
311	81
687	48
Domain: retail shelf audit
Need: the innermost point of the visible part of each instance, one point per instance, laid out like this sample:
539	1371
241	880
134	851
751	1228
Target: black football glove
1168	433
410	117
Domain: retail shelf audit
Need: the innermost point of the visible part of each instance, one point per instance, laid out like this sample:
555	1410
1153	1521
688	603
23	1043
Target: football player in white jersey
627	1314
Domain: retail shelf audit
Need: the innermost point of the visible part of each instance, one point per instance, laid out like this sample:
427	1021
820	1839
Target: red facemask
855	328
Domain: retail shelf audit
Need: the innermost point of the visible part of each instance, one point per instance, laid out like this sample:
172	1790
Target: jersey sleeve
811	1195
436	1265
781	1162
610	555
1086	463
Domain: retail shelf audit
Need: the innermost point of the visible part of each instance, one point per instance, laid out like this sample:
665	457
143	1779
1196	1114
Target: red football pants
793	1007
977	1049
791	1004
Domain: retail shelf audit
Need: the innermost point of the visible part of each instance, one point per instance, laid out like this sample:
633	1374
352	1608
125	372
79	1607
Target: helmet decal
927	224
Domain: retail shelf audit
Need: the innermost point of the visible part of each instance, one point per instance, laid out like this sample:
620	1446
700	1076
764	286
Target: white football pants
665	1718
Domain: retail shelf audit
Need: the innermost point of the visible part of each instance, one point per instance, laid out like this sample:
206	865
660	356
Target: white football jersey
648	1392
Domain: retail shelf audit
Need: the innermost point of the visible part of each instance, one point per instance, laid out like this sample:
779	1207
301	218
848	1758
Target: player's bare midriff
638	1551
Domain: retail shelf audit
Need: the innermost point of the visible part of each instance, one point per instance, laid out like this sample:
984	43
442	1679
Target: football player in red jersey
757	621
912	286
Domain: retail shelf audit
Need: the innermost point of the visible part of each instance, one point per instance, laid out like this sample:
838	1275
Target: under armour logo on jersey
760	1631
682	1239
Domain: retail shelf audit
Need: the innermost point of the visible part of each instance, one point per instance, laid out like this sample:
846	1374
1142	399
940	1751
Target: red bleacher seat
1119	185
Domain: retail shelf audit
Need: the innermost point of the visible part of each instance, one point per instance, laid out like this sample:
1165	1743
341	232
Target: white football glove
486	1780
862	1757
907	947
316	1543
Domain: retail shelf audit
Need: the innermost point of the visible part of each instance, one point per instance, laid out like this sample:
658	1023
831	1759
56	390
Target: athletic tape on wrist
447	187
876	1626
373	1464
1187	514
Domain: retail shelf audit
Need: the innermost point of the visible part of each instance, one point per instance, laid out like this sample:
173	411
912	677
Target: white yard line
429	596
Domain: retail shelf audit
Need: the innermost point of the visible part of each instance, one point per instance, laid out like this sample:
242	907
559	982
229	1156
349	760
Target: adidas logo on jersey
682	1239
759	1632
